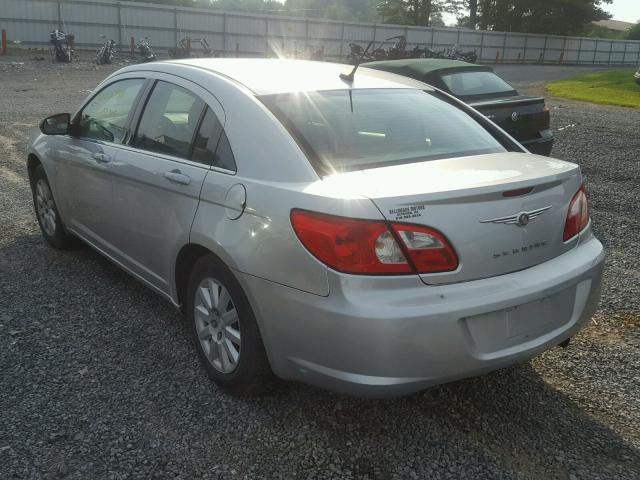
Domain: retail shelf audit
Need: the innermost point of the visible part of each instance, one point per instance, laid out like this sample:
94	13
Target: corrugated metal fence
232	33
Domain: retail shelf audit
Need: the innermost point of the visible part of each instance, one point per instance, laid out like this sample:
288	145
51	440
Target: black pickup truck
525	118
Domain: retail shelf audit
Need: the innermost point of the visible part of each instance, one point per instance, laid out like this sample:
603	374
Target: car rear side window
105	117
463	84
211	146
356	129
169	121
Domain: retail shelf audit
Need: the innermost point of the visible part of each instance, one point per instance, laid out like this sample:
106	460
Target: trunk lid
464	199
520	116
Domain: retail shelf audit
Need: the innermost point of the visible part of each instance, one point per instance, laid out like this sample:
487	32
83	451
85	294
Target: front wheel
101	56
47	212
224	329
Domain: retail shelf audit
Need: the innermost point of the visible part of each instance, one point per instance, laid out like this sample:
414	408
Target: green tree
416	12
485	13
393	11
556	17
634	32
473	14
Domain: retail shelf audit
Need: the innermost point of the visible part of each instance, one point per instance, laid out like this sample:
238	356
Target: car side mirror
56	124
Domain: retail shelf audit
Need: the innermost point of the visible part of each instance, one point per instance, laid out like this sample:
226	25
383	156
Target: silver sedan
367	234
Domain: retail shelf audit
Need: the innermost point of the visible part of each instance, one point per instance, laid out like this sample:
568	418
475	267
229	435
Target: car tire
100	56
225	333
49	219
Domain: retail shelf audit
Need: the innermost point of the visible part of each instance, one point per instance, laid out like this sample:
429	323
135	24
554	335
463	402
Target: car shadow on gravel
510	420
115	372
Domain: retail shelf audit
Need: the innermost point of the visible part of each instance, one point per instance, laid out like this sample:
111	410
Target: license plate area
529	319
502	329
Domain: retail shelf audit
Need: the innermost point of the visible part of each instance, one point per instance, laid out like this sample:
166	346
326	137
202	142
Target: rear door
157	189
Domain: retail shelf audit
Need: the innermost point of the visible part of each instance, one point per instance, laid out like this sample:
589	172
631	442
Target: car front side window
169	121
105	117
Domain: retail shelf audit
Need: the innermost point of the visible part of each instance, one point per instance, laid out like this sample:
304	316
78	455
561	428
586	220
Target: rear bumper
377	337
540	146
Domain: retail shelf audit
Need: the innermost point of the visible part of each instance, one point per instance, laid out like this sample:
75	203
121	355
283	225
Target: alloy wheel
217	325
46	208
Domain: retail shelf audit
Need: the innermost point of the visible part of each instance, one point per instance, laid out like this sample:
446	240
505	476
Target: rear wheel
101	56
224	329
47	212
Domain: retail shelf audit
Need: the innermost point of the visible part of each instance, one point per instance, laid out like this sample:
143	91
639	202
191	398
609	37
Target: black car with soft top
525	118
637	76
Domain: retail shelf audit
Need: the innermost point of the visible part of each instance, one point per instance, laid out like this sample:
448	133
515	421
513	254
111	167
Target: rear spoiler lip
506	102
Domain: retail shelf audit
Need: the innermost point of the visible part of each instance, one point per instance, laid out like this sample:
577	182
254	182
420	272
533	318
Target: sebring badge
514	116
520	219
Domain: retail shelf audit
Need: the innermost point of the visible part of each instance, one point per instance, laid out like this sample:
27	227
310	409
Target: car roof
419	67
265	76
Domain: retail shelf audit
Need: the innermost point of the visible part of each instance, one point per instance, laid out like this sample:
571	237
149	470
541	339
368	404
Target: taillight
373	246
577	216
428	249
546	115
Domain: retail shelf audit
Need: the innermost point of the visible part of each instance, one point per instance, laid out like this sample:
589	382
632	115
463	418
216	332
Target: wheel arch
187	257
32	163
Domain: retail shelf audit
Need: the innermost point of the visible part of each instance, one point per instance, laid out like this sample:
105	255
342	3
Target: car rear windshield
344	130
464	84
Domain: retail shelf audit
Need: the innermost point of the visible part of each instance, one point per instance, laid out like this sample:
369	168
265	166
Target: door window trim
137	118
130	117
184	161
140	113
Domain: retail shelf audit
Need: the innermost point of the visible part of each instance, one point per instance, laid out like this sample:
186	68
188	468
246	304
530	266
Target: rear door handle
177	176
101	157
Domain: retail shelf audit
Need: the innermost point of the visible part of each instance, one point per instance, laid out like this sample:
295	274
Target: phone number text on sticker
404	213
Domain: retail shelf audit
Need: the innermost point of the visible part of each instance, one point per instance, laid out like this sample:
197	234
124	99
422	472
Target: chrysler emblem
520	219
514	116
523	219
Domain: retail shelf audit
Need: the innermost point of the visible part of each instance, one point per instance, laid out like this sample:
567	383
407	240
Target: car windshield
346	130
475	83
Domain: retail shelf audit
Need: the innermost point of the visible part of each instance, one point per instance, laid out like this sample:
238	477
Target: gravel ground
98	378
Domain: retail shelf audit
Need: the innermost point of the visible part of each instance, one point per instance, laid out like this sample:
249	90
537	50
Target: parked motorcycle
457	54
397	51
146	53
184	50
106	52
61	42
430	53
399	48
